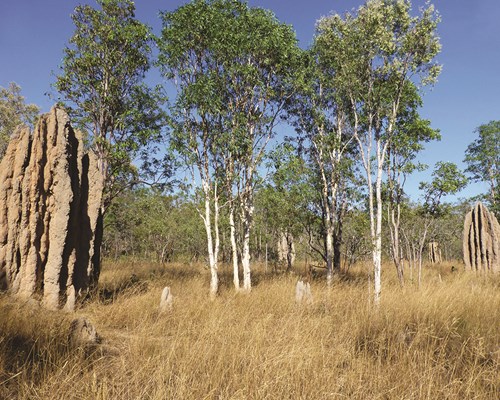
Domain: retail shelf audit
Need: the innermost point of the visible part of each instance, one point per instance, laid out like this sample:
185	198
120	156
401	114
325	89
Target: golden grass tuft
441	341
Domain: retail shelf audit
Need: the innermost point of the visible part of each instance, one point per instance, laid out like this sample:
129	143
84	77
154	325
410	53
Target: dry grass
439	342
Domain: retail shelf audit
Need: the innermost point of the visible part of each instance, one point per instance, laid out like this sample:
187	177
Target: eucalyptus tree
101	84
13	112
144	222
231	64
319	112
378	51
411	132
425	220
483	161
447	179
283	200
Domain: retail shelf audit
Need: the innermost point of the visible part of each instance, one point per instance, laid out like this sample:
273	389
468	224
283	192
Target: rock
82	333
434	253
50	214
166	300
481	240
303	292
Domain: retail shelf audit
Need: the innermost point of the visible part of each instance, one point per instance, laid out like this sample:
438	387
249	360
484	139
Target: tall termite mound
481	241
434	253
286	249
50	214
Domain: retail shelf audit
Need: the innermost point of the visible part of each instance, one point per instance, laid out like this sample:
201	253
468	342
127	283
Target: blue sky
33	34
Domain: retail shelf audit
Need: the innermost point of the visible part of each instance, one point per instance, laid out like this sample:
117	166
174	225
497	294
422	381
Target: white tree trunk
329	252
328	213
377	239
396	242
290	251
377	249
216	225
421	246
234	249
246	219
212	253
245	260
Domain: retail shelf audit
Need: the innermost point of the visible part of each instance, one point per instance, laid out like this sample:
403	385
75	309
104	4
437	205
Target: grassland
441	341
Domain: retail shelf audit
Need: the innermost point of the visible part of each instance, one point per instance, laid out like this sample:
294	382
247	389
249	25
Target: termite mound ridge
481	241
50	214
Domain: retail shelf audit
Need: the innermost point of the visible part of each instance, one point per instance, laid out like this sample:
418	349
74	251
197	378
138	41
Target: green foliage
319	111
232	65
410	134
483	160
375	53
355	237
380	56
447	179
281	203
101	85
13	112
145	223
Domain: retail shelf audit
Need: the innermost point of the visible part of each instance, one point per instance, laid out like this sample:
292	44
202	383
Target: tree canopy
234	73
232	65
483	161
13	112
101	84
